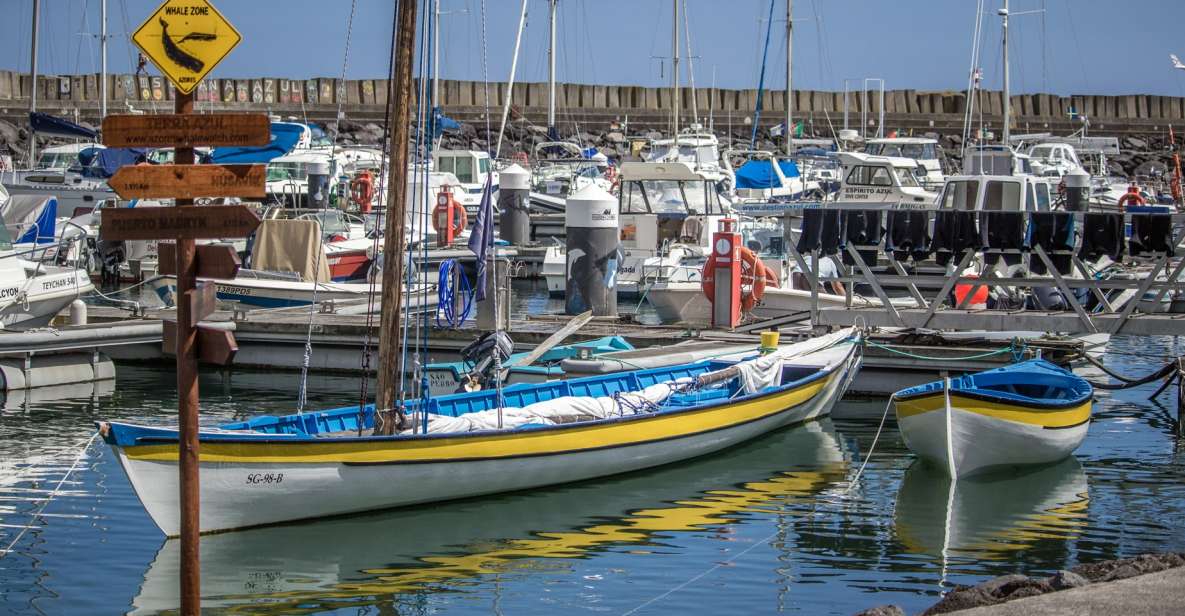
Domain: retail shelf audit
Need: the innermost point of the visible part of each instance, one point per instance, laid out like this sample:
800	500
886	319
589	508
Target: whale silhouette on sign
178	55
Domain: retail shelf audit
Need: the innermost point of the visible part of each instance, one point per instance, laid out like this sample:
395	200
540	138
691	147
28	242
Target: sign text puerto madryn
185	39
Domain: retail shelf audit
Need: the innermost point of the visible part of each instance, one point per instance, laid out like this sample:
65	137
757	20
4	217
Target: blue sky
920	44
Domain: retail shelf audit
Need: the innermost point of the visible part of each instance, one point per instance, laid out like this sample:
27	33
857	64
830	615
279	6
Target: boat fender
755	276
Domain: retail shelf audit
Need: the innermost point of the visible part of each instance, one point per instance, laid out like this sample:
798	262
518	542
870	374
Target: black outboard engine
481	354
111	255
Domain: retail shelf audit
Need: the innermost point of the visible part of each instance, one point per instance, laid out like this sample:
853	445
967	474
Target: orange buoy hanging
1131	197
449	218
978	299
362	191
755	277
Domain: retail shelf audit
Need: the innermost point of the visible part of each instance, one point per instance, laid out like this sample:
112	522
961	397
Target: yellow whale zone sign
186	39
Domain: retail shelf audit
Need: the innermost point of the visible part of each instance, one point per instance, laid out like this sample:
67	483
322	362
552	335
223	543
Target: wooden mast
390	367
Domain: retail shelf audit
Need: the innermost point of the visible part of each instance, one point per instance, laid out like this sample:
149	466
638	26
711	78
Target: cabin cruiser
667	213
924	150
471	169
69	173
762	177
560	168
881	179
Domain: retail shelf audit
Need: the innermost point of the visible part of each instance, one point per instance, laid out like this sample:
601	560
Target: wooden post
390	359
187	399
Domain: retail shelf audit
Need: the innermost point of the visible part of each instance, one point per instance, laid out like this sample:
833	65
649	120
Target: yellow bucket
769	341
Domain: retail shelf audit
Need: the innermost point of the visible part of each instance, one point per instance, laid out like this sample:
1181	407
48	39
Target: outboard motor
481	354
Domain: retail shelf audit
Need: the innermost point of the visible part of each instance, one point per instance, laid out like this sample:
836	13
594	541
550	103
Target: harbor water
780	524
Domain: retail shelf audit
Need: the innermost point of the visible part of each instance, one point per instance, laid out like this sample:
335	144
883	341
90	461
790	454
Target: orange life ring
1132	197
978	299
444	200
362	191
755	277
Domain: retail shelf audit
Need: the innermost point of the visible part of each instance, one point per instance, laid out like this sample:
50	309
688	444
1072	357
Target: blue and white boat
270	469
1031	412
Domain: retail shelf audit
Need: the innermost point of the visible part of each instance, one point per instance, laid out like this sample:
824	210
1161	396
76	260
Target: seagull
1177	62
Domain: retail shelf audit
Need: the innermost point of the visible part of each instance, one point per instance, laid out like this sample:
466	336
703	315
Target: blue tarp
760	173
284	138
110	160
52	125
34	216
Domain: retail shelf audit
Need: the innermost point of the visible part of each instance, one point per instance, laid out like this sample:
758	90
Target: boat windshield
57	160
669	197
1042	152
462	167
688	153
283	171
916	151
906	176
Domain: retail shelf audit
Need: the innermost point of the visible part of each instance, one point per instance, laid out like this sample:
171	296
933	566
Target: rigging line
969	111
871	448
691	64
1077	47
769	26
405	322
57	488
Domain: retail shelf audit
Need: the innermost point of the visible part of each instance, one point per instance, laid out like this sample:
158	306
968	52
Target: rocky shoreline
1010	587
1140	156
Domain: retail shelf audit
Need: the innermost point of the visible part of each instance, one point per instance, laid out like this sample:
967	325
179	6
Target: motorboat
471	168
32	293
762	177
272	469
560	168
1032	412
925	151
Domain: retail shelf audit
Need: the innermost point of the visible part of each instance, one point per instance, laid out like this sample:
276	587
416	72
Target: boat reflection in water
356	561
990	517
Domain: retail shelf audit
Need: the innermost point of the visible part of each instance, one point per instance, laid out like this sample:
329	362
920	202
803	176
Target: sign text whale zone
186	39
193	222
189	181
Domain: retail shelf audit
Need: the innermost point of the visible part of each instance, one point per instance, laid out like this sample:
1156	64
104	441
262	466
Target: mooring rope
1007	349
52	494
1168	371
872	448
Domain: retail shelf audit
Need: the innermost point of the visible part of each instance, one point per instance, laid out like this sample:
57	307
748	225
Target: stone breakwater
1010	587
1142	156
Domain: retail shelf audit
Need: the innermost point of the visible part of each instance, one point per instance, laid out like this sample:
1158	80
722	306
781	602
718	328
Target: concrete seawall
597	105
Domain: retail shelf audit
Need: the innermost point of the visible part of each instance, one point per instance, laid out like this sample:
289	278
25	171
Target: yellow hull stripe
1046	418
505	445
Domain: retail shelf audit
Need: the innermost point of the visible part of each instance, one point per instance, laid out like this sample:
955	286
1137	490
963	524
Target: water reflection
362	560
992	517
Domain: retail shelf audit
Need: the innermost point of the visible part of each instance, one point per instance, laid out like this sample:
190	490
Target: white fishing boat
32	293
924	151
1032	412
277	469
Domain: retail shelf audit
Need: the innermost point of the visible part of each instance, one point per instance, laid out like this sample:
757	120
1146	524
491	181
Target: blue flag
481	239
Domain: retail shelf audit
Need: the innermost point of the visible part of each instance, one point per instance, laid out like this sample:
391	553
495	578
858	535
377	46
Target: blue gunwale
1032	372
129	435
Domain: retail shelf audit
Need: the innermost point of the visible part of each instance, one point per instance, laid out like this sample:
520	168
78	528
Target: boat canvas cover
757	174
109	160
285	135
46	124
33	216
291	246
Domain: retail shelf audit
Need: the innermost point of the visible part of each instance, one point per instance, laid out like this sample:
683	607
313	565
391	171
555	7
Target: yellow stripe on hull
655	427
1045	418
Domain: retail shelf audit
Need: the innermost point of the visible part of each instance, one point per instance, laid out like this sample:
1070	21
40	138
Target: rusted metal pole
390	359
187	399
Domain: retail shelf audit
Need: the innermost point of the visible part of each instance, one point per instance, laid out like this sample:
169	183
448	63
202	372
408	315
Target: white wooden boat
1032	412
277	469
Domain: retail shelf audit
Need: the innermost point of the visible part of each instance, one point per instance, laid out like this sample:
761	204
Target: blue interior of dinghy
346	419
1031	382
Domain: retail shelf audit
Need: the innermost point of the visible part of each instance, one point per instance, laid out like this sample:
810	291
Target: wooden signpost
189	181
185	39
212	129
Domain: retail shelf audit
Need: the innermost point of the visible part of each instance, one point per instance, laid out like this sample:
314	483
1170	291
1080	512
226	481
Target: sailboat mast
435	53
33	71
390	359
1007	85
675	80
551	71
789	106
102	59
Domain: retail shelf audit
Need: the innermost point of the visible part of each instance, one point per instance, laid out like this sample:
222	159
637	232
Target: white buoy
78	312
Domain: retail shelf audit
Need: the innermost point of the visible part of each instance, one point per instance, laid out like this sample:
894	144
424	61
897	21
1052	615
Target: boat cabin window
669	197
1041	151
867	175
907	178
1002	196
960	195
460	166
57	160
283	171
483	165
1041	196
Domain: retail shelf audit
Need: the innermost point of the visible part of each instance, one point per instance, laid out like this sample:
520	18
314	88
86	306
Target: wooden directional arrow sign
183	222
174	130
189	181
185	39
213	260
214	345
